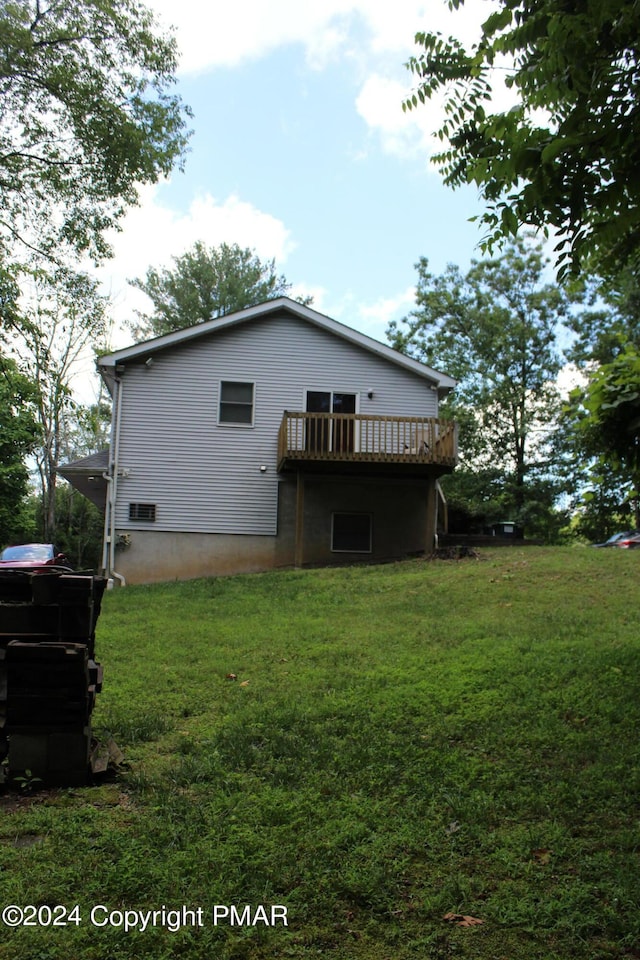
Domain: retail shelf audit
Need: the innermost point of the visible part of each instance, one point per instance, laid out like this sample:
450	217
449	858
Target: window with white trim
236	402
351	532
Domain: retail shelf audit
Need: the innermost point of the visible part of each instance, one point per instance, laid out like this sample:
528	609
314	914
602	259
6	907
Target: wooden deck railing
355	437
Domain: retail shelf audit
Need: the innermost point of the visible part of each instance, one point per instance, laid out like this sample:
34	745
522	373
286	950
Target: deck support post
299	546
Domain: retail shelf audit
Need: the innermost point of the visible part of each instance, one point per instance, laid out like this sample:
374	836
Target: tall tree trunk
50	504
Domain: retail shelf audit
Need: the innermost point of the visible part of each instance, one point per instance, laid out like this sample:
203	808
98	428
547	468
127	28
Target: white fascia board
107	363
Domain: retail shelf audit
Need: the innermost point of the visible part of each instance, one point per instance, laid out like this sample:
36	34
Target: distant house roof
139	351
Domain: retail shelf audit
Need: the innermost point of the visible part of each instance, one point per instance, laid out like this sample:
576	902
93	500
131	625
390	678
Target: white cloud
374	318
376	36
387	83
569	378
225	34
401	133
317	293
392	26
153	233
218	34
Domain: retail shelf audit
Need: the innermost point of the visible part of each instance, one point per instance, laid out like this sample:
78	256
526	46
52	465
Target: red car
33	556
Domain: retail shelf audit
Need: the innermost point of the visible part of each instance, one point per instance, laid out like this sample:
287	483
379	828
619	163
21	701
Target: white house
270	437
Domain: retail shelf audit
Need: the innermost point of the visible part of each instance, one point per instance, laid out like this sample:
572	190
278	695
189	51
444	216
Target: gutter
111	476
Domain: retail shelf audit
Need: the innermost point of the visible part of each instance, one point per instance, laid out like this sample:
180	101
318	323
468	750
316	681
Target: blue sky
302	152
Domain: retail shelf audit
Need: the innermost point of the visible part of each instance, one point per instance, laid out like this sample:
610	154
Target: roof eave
109	363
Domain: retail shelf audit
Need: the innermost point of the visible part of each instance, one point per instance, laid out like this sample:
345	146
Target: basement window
142	511
351	532
236	402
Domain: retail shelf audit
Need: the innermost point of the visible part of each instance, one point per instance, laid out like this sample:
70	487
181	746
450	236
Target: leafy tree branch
204	283
88	115
564	158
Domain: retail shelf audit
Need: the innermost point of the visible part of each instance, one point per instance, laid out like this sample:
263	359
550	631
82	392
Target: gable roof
142	351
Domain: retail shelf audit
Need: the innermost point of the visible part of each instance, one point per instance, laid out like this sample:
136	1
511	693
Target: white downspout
107	514
440	498
111	476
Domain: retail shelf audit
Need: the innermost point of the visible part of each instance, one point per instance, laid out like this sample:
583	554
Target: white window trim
226	423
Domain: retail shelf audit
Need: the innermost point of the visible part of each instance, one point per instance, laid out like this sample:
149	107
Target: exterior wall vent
142	511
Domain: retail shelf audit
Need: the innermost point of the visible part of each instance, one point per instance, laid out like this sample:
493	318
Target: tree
9	295
87	428
599	430
79	528
565	156
87	116
603	333
598	491
495	330
79	523
18	437
205	283
606	419
62	317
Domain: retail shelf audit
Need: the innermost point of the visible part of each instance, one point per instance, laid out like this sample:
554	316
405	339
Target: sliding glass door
330	434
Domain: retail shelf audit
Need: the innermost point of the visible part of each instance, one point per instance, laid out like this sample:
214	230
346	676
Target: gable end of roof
108	364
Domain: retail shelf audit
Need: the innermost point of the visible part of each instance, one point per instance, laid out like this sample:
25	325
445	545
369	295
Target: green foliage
604	508
18	438
87	429
603	332
478	498
610	408
204	283
87	116
79	528
599	477
413	739
9	295
79	525
563	158
495	330
62	316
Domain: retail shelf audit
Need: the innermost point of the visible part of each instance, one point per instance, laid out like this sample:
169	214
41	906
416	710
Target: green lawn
401	742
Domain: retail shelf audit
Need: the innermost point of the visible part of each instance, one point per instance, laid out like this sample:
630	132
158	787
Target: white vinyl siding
204	476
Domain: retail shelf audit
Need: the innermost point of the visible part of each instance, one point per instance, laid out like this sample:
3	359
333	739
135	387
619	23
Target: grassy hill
373	748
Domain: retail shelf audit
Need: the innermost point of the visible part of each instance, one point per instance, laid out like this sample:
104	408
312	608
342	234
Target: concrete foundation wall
398	517
397	509
154	556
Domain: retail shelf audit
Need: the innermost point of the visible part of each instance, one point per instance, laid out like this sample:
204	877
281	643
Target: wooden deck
352	438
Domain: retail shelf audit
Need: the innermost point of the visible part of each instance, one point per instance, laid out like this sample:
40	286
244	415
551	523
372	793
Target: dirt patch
460	552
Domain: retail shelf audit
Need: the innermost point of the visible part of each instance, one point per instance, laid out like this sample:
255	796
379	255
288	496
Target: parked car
631	542
615	540
33	556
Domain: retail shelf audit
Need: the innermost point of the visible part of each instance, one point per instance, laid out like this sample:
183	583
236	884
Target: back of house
271	437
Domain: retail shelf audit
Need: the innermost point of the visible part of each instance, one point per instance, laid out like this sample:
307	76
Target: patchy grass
400	742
